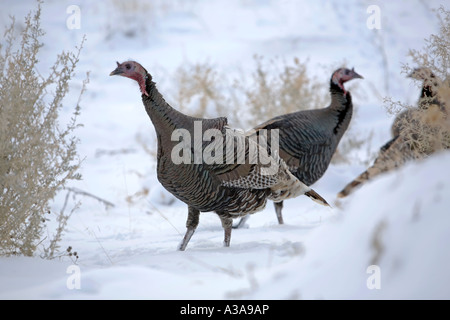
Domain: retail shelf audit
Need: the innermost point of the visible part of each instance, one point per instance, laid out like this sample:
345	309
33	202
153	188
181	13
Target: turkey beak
117	71
356	75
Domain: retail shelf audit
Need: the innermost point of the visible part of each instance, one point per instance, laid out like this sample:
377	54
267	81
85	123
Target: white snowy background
399	222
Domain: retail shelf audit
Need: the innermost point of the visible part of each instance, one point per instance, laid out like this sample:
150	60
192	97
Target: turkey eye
127	66
347	71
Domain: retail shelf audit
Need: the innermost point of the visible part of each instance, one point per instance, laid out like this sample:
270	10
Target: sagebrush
275	87
38	154
279	88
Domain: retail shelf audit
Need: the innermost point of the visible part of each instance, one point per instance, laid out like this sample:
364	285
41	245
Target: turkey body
309	138
199	185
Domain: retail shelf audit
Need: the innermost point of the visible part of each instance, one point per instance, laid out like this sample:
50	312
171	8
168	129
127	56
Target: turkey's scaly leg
278	208
191	225
227	224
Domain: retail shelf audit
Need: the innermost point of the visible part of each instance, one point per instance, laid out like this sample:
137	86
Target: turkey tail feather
355	183
314	196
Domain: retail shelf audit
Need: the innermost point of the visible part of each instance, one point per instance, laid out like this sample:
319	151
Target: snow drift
399	223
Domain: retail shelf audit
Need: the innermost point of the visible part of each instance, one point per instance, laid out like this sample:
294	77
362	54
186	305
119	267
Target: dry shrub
278	88
37	155
274	88
200	90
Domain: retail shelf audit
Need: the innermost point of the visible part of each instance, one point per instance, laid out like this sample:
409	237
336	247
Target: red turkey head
342	75
132	70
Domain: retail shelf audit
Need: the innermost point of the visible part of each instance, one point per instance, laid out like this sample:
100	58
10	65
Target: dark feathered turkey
309	138
229	189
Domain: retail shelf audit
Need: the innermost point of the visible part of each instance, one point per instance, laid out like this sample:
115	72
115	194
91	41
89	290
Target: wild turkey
428	98
416	132
392	155
229	189
309	138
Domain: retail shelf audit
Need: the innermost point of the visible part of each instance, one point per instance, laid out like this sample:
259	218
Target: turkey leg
191	225
227	224
278	207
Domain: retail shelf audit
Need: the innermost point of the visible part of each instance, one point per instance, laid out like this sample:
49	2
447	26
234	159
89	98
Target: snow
398	222
408	212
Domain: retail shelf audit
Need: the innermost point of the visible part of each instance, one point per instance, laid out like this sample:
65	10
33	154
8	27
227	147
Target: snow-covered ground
388	240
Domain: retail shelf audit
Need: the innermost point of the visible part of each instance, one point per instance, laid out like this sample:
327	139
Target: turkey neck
341	107
163	116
